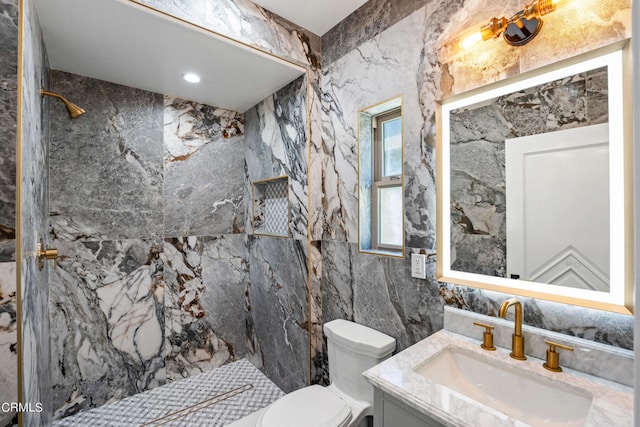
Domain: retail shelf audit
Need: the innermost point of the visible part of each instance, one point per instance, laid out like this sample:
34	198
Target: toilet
353	349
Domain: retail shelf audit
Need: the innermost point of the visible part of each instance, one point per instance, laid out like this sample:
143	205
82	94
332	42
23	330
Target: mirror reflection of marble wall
478	179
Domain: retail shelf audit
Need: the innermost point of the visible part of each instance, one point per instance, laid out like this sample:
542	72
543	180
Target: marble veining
343	98
33	212
206	280
8	111
203	169
8	341
276	134
277	300
107	322
106	166
365	23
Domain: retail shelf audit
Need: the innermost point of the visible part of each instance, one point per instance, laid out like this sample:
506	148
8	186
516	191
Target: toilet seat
312	406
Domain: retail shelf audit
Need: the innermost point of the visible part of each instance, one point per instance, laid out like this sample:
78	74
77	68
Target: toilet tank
354	348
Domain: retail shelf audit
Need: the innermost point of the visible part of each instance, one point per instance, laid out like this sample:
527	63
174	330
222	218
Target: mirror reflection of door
557	191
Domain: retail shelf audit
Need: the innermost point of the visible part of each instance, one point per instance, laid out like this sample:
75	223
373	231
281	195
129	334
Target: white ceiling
122	42
318	16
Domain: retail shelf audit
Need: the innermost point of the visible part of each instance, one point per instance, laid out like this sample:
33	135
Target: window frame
380	181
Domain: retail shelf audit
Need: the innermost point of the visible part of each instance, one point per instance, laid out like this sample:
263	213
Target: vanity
448	379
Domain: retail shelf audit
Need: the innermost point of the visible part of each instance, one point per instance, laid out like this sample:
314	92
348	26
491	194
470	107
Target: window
380	178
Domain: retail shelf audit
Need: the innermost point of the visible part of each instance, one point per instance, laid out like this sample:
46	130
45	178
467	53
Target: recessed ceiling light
191	77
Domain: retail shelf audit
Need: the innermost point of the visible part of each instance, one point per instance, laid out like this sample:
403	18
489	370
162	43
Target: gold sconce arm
46	254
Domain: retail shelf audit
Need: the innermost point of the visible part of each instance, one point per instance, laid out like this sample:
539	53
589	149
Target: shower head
73	109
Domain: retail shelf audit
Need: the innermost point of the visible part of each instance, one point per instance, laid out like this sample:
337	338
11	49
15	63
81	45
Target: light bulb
191	77
471	40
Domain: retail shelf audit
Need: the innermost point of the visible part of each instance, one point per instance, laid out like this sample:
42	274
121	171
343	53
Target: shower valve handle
45	254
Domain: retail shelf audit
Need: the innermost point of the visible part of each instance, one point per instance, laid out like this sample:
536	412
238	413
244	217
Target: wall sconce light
519	30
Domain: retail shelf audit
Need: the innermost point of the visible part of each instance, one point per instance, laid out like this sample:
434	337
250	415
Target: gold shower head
73	109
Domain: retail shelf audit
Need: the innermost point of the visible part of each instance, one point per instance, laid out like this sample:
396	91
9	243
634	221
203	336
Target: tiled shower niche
270	212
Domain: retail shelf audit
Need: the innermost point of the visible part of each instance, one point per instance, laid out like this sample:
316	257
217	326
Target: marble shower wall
414	57
278	295
206	281
8	126
478	174
34	208
8	341
204	169
146	195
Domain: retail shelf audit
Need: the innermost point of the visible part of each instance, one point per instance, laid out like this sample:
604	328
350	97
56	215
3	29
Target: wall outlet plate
418	266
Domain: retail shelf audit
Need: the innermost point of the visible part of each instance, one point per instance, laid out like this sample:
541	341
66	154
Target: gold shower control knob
47	254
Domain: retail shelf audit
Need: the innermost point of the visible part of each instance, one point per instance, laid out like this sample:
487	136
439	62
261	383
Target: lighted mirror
534	189
380	178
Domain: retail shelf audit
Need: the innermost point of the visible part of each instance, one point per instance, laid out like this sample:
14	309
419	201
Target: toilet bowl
352	349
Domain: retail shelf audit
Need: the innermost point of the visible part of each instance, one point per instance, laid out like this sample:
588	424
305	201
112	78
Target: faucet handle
487	337
553	358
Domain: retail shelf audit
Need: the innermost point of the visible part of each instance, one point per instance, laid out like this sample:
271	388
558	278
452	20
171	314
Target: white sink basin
518	394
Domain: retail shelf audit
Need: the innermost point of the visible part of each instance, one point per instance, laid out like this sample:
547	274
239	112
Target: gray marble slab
277	300
203	169
8	111
36	381
106	166
379	292
276	135
8	341
8	125
107	322
206	280
371	19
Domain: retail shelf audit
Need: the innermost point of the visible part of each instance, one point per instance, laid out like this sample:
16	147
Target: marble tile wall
34	209
201	200
147	212
478	195
277	300
414	57
107	322
278	295
206	279
8	341
8	125
107	171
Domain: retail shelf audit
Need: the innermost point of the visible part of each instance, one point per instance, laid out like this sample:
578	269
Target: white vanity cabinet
391	412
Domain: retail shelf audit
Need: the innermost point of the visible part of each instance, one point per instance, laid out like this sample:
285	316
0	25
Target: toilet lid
312	406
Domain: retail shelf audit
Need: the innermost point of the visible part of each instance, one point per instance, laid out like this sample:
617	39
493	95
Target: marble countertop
612	403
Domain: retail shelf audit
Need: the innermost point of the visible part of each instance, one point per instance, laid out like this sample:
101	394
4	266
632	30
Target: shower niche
270	207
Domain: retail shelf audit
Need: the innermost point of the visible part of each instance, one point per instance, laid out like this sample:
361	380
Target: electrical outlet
418	266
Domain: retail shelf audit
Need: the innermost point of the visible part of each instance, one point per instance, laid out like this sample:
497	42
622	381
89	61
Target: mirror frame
620	298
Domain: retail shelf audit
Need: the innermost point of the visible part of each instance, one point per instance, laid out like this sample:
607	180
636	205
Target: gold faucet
517	340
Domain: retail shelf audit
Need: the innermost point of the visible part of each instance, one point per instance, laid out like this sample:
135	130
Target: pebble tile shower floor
210	399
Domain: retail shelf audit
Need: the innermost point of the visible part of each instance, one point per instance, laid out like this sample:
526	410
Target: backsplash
603	361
